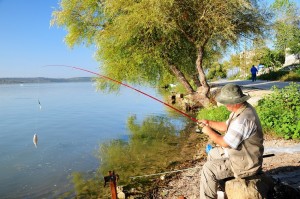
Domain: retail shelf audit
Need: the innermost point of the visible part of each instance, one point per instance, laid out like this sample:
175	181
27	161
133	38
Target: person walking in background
240	150
253	71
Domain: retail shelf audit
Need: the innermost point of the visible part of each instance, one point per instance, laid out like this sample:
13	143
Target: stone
254	187
121	194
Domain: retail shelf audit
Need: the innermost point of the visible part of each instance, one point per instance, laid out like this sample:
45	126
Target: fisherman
239	153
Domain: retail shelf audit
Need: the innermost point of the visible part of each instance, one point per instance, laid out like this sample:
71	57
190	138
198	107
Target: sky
28	43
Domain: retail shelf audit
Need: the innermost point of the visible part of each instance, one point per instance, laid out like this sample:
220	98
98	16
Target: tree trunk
205	87
196	80
182	79
203	90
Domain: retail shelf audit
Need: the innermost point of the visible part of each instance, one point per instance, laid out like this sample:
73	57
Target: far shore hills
27	80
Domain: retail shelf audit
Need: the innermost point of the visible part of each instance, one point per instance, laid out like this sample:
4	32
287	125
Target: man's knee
206	172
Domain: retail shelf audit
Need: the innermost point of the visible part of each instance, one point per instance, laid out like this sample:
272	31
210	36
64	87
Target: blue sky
28	43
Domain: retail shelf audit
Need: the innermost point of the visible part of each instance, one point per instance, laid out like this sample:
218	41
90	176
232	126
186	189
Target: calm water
73	120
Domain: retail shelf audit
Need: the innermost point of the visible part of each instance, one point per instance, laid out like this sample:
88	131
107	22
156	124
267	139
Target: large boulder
255	187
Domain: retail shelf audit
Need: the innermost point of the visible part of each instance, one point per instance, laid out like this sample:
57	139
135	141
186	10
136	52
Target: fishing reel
199	127
199	130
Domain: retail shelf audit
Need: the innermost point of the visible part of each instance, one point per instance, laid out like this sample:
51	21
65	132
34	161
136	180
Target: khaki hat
231	94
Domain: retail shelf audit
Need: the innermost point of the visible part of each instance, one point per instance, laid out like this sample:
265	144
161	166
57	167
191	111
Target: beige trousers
216	168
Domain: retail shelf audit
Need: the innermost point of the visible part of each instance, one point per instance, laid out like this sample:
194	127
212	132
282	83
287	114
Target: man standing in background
253	71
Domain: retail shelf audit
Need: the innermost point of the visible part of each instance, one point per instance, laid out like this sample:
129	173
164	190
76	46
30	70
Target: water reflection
154	145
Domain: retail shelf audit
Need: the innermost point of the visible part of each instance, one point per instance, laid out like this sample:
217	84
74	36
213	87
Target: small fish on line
35	140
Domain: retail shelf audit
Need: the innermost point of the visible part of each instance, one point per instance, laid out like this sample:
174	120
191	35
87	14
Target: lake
71	120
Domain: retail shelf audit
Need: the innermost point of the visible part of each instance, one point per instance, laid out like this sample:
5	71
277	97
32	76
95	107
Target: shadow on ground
286	182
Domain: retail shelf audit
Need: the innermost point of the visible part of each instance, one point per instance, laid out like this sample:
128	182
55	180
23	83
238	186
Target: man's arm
214	136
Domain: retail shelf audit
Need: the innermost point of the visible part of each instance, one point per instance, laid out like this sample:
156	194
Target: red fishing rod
118	82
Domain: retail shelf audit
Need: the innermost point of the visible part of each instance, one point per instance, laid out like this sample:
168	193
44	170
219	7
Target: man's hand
206	129
203	123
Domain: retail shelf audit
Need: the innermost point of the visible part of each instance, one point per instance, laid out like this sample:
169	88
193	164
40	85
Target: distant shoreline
25	80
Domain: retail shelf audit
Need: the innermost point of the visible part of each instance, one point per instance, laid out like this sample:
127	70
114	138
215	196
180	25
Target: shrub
214	113
280	111
273	75
291	76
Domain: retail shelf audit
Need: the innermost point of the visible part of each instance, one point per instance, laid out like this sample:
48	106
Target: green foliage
261	55
235	76
89	188
139	41
281	75
216	72
277	4
219	113
235	60
272	58
280	111
293	44
273	75
291	76
286	26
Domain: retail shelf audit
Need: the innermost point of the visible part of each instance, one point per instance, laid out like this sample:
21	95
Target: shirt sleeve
238	131
230	116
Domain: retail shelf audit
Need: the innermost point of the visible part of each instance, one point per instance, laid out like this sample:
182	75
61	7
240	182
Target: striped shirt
239	129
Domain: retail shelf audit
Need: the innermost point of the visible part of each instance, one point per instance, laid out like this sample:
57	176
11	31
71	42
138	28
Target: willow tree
158	41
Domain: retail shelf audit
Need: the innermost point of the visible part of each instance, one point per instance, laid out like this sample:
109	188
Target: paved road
259	84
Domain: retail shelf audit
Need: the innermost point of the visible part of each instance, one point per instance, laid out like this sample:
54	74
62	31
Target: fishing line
118	82
39	108
167	172
186	169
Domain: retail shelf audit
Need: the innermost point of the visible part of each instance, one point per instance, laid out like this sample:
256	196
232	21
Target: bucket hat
231	94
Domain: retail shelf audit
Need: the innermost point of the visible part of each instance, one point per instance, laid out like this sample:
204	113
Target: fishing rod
121	83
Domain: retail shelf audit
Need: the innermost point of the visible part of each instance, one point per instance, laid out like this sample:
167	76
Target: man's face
233	107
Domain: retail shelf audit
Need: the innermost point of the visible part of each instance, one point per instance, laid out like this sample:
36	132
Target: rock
221	195
121	194
255	187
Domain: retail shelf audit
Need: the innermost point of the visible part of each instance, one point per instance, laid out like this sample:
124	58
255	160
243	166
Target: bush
214	113
280	111
273	75
293	75
282	75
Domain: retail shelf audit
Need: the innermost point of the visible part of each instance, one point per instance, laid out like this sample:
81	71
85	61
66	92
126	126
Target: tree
271	58
287	26
150	41
216	72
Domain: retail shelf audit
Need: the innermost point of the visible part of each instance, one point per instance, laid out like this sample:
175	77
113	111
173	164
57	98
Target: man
253	71
239	152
